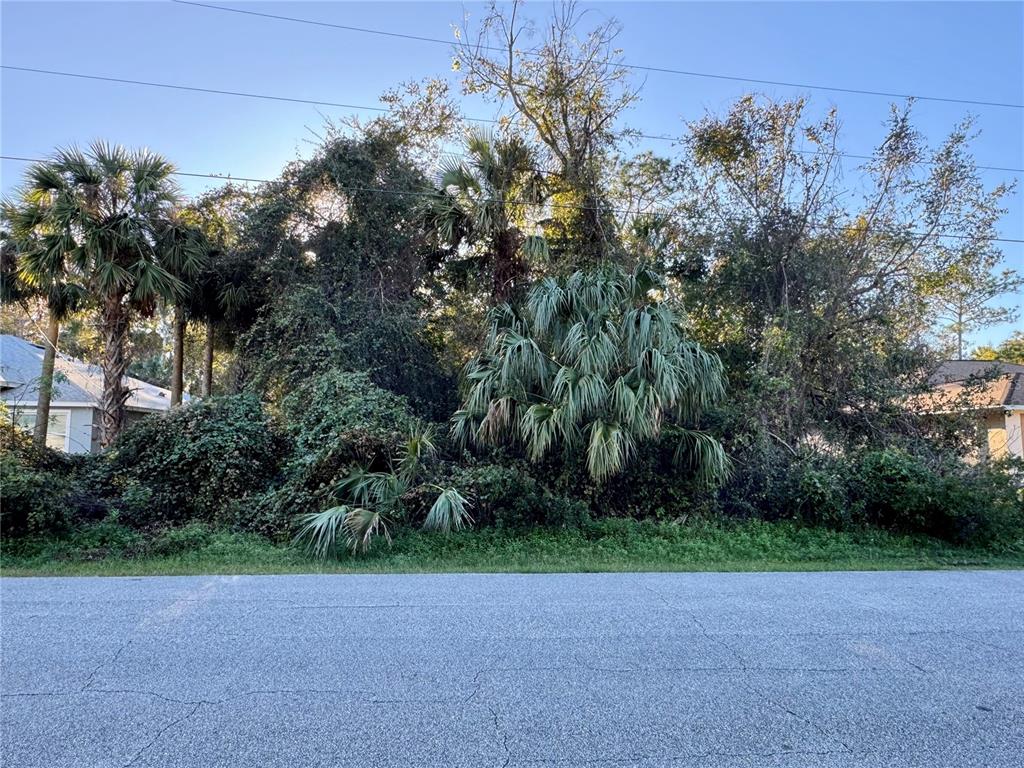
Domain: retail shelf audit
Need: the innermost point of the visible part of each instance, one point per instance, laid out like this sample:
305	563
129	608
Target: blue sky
959	50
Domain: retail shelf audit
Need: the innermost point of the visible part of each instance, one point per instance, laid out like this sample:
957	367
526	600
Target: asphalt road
738	670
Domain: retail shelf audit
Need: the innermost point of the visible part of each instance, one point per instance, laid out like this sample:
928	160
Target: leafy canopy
594	362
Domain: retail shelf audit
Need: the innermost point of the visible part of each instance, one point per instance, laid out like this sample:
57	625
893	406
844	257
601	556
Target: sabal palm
484	202
53	282
107	209
373	498
593	363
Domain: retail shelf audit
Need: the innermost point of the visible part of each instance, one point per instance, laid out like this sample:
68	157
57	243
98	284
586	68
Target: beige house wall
1005	431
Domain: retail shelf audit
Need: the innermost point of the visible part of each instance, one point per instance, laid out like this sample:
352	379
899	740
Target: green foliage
965	505
507	497
187	464
35	485
450	512
610	545
306	333
372	500
185	538
323	411
104	219
490	204
33	500
1010	351
318	531
333	423
593	364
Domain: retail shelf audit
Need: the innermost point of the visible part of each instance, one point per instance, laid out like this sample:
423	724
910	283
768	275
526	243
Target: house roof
974	384
75	382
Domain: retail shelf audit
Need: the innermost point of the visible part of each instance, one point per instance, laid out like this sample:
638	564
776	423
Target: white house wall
80	430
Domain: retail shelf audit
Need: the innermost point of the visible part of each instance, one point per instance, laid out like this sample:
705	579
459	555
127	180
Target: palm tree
26	274
484	203
217	291
593	362
107	208
185	252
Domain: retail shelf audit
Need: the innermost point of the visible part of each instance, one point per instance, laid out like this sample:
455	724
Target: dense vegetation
542	338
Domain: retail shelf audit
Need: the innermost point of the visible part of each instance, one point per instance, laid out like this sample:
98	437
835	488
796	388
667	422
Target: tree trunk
178	362
208	361
508	267
115	322
46	382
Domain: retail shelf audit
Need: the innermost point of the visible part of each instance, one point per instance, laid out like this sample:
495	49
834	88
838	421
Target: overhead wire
569	206
363	107
626	65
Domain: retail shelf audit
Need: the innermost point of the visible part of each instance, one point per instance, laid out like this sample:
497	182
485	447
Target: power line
638	67
362	107
187	88
569	206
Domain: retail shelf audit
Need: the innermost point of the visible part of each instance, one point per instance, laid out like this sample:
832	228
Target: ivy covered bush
963	504
189	463
36	486
508	497
331	423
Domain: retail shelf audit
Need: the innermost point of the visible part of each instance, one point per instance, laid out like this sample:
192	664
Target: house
75	402
992	389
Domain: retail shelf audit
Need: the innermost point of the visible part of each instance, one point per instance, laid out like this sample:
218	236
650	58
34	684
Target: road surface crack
162	731
501	735
116	656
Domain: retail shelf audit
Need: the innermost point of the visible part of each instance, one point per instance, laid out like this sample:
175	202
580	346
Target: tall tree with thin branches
569	90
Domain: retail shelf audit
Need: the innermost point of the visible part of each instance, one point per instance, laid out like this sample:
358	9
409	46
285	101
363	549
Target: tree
570	91
815	295
1010	351
34	265
594	363
106	208
964	292
184	250
485	203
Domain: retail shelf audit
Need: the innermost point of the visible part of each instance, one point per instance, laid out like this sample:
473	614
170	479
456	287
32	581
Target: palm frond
361	526
609	448
450	512
420	445
318	531
704	456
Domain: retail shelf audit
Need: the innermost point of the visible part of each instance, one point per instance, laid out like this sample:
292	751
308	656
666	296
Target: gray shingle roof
990	383
21	363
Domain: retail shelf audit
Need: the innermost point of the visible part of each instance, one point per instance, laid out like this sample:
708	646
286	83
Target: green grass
617	545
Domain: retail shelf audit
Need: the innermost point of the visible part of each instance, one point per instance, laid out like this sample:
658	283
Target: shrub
508	498
189	463
172	541
333	422
33	500
902	492
817	486
342	410
34	486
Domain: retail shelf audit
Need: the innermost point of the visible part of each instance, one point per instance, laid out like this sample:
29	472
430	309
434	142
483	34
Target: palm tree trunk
508	267
46	382
208	361
178	363
115	323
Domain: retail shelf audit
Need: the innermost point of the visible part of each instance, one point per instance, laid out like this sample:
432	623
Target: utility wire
638	67
569	206
187	88
317	102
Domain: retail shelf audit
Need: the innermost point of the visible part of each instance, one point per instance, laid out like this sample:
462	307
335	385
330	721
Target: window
56	435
